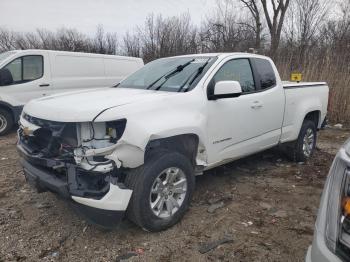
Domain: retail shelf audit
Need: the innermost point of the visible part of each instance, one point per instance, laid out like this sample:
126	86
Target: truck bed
300	98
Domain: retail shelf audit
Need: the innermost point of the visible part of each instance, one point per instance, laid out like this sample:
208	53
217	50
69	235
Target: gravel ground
263	207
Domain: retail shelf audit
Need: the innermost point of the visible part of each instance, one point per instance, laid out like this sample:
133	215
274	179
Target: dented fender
127	155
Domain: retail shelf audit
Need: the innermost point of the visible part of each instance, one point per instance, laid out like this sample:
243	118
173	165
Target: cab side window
23	69
266	75
236	70
15	68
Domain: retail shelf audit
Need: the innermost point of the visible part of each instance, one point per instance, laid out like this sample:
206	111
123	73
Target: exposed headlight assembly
96	140
97	131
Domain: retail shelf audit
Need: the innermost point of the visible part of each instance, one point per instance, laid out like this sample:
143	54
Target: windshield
5	55
174	74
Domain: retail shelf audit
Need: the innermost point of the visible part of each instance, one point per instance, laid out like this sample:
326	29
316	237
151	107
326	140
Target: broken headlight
115	129
110	131
98	139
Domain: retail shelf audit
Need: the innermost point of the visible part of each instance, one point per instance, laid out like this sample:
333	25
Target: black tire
298	153
141	179
6	122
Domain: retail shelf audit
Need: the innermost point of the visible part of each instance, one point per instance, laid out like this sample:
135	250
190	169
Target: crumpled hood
83	106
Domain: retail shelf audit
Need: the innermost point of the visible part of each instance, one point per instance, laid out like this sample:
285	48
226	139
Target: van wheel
306	143
6	122
162	191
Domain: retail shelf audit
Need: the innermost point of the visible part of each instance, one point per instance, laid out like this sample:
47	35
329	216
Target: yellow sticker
296	77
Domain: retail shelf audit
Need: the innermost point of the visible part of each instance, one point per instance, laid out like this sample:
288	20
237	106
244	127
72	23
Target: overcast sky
84	15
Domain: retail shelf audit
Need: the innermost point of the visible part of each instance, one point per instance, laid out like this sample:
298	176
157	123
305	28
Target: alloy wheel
3	123
168	192
308	142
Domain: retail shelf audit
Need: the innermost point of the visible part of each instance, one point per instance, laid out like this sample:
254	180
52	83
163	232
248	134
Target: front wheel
306	143
162	191
6	122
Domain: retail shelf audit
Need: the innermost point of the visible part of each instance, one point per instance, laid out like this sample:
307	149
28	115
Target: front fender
131	148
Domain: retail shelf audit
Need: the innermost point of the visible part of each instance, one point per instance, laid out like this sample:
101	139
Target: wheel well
186	144
313	116
8	110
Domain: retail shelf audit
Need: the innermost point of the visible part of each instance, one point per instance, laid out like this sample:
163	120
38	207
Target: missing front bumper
105	206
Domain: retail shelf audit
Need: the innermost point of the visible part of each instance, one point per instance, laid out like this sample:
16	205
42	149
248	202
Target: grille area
52	139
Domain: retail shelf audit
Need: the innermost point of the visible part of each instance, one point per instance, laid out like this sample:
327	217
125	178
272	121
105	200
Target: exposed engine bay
84	144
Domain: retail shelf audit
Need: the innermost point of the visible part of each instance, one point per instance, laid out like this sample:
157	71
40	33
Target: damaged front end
78	162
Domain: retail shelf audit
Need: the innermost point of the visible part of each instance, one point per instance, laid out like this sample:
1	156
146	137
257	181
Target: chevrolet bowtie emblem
26	131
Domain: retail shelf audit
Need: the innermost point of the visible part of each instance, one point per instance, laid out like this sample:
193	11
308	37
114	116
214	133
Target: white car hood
85	105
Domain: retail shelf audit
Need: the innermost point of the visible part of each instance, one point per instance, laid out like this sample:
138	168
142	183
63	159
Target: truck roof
225	54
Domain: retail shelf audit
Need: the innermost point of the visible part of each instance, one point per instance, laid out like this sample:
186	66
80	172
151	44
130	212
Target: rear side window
266	75
24	69
236	70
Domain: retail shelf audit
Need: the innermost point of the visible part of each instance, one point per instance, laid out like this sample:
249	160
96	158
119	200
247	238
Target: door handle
256	105
42	85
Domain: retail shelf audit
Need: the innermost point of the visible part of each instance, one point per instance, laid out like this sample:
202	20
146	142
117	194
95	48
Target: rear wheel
306	143
6	122
162	191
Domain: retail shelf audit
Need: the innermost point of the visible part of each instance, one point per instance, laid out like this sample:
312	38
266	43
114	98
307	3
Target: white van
29	74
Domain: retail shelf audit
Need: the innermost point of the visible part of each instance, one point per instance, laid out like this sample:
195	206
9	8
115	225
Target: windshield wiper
192	77
170	74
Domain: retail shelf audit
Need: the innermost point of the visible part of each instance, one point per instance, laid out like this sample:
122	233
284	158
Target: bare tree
304	22
336	33
254	9
275	20
7	39
225	31
162	37
132	45
99	40
30	40
63	39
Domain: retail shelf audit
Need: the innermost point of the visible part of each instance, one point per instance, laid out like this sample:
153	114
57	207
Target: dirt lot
267	206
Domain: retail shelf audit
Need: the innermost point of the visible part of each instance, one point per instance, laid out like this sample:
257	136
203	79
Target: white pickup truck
137	147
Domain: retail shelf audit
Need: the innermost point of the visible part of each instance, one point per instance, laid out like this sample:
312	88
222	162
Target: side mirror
5	77
225	89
